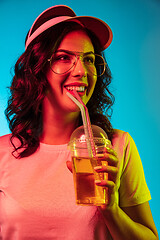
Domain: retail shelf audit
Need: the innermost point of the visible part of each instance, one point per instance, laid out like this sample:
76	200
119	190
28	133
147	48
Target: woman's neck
57	128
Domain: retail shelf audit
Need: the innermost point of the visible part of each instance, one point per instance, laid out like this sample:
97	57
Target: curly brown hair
27	91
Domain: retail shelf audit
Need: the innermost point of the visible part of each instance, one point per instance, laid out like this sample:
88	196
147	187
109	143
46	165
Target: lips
76	88
79	87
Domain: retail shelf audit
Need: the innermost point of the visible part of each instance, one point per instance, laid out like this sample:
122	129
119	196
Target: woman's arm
129	223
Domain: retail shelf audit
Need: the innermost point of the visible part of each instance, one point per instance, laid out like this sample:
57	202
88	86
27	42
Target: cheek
50	76
56	79
94	82
53	79
92	85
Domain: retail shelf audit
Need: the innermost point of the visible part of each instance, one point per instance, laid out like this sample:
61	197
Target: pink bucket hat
61	13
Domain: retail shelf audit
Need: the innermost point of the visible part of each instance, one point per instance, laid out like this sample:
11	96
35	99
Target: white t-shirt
37	200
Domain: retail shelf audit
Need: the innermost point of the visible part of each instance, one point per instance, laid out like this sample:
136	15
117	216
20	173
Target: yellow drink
87	192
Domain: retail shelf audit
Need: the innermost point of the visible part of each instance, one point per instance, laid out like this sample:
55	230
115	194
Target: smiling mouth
76	88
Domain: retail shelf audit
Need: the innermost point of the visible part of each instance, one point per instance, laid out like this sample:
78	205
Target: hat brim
101	29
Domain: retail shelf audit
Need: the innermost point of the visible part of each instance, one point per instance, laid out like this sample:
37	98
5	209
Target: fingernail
97	181
98	167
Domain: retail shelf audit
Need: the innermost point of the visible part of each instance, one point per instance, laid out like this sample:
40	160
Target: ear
69	165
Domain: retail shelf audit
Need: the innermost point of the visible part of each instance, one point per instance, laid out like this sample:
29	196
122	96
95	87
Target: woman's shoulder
121	137
5	141
119	134
5	149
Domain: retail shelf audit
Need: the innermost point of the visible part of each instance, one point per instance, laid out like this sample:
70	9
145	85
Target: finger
105	183
111	159
111	171
111	151
69	165
107	169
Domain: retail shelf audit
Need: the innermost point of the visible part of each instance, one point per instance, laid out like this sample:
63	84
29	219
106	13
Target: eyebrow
72	52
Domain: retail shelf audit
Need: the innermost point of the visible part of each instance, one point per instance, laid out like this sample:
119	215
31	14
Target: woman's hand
69	165
111	168
137	219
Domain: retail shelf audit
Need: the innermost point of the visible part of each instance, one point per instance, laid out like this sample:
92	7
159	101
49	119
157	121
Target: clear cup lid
79	135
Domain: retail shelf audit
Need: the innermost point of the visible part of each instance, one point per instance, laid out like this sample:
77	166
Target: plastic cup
84	175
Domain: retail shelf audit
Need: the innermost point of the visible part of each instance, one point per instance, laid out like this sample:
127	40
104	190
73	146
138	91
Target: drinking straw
82	112
87	130
86	122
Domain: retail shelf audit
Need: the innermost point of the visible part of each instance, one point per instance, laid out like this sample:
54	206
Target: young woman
64	52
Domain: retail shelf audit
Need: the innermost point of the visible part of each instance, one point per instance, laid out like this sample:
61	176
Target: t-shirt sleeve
133	188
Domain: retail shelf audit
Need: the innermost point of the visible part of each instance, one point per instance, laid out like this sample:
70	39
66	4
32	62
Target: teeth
79	89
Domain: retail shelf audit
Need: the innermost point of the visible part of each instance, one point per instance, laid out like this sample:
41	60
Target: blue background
134	59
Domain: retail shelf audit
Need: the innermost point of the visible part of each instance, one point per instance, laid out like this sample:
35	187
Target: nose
79	69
